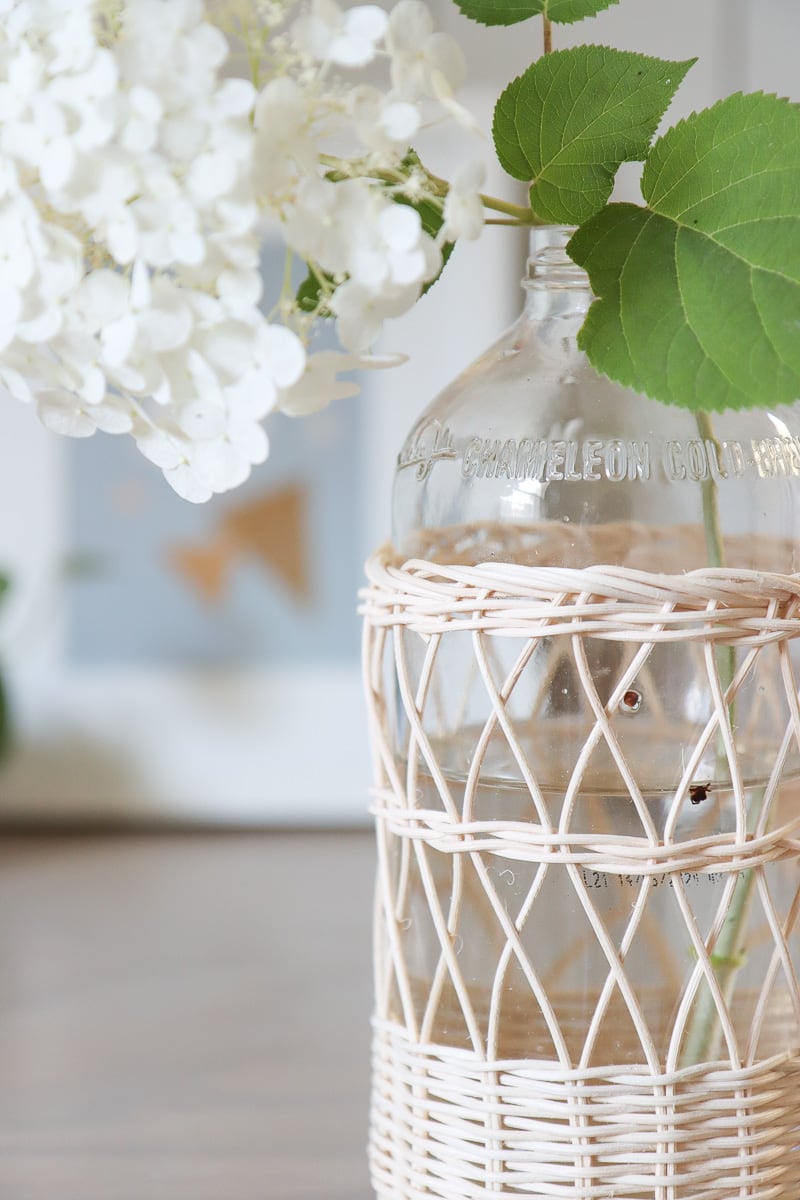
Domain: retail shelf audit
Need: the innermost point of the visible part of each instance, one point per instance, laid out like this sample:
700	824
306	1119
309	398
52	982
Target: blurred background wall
173	663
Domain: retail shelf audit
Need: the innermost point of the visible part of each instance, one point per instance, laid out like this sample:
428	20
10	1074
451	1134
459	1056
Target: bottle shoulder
529	436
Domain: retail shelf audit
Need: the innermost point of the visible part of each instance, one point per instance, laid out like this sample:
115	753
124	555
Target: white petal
410	24
245	287
446	59
118	339
10	303
400	120
184	481
16	384
285	354
200	420
470	177
110	419
41	328
93	387
188	248
409	268
57	164
123	237
400	226
211	175
252	396
219	465
62	413
250	440
235	97
159	448
146	103
204	378
366	21
102	297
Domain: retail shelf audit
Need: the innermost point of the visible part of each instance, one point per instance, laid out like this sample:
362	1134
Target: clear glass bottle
531	457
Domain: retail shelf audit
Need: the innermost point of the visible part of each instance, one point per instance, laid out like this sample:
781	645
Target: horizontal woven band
446	1124
528	842
613	603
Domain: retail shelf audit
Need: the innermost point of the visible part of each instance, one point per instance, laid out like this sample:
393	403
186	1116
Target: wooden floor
184	1017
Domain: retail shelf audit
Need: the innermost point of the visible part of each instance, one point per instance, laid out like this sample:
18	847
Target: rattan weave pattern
447	1125
452	1117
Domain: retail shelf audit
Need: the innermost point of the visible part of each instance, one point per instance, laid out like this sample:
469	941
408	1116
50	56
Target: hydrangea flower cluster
136	172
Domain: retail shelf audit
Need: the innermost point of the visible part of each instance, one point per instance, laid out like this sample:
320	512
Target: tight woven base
445	1124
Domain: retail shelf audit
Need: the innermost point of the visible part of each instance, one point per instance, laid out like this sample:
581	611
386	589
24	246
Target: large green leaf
509	12
568	122
699	293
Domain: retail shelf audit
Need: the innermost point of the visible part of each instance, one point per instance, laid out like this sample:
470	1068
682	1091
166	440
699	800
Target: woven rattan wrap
517	1084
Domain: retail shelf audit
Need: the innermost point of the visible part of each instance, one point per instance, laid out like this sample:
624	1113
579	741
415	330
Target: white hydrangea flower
463	207
384	123
424	62
135	173
393	250
328	221
347	38
143	143
285	148
320	383
361	312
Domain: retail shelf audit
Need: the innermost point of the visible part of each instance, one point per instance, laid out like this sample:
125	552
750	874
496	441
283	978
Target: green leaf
309	295
509	12
699	293
573	117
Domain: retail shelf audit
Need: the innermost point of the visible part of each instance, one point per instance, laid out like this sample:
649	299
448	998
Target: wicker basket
510	1080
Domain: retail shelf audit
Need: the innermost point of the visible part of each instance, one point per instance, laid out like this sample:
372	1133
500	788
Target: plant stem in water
703	1037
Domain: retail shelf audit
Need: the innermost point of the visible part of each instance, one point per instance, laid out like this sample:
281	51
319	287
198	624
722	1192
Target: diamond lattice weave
588	829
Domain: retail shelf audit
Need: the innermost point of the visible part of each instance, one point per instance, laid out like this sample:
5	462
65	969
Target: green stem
523	216
509	222
715	548
340	169
715	544
704	1033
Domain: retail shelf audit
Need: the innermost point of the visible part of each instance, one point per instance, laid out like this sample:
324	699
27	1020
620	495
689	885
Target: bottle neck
554	285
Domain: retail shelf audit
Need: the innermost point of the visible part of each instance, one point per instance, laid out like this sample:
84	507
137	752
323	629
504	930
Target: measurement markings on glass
602	879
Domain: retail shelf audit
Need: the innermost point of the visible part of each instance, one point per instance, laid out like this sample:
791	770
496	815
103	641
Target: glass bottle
530	457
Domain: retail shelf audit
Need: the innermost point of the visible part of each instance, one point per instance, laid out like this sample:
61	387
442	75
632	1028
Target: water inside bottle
531	939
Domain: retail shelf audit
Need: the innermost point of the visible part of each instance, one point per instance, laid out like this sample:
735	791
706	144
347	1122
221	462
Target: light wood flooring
184	1017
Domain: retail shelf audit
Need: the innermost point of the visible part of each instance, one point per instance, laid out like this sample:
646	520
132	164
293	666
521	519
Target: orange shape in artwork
204	567
273	530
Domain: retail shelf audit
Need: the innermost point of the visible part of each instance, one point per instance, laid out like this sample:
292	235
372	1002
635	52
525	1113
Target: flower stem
525	216
715	545
728	954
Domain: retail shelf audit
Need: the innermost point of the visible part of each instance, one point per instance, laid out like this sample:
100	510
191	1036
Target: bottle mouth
549	265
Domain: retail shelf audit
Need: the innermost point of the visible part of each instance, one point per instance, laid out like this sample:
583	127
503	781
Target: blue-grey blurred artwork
266	574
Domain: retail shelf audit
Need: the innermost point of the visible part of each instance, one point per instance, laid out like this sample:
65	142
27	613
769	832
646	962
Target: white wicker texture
674	1074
